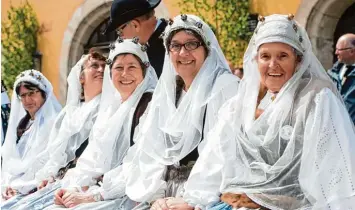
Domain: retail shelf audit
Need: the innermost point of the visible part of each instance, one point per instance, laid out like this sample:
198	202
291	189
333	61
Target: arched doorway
82	27
320	18
99	40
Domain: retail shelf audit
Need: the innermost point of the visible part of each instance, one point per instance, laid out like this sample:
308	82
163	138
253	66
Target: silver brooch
261	18
135	40
199	25
112	46
120	40
286	132
108	61
162	35
290	17
183	17
144	48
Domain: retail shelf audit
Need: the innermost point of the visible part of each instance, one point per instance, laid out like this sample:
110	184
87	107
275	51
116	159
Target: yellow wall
262	7
55	16
173	7
269	7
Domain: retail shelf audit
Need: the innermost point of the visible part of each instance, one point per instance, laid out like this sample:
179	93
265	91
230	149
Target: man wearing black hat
136	18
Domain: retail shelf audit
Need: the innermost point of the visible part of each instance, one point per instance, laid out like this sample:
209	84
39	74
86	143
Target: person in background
343	71
5	111
136	18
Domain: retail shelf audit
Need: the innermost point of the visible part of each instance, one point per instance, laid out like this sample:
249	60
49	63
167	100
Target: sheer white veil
72	126
109	139
273	159
13	164
169	132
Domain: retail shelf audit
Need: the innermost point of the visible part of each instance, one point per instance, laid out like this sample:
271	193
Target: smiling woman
279	133
187	54
127	73
277	63
127	89
195	82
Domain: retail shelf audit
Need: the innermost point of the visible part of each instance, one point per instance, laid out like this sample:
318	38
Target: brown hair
188	31
94	53
179	81
144	68
21	128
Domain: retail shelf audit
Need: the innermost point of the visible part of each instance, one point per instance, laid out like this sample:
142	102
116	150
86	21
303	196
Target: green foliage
19	42
228	19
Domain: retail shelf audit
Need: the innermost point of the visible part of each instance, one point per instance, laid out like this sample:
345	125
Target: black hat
123	11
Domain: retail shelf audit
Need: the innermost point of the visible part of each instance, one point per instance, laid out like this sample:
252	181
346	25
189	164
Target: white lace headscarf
18	171
110	136
299	153
72	126
170	133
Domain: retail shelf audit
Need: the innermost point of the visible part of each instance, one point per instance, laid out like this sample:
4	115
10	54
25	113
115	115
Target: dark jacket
346	86
156	49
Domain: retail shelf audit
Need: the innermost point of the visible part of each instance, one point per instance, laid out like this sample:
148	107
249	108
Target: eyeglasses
342	49
193	45
119	31
29	94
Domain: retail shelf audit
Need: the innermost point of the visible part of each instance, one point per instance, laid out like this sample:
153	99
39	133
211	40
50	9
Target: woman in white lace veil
292	150
111	135
72	127
176	121
20	150
76	120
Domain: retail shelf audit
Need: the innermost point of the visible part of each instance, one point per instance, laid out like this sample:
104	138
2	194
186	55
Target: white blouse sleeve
327	173
114	182
84	174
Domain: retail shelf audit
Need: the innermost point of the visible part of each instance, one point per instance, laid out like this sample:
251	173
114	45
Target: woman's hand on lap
178	204
72	199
